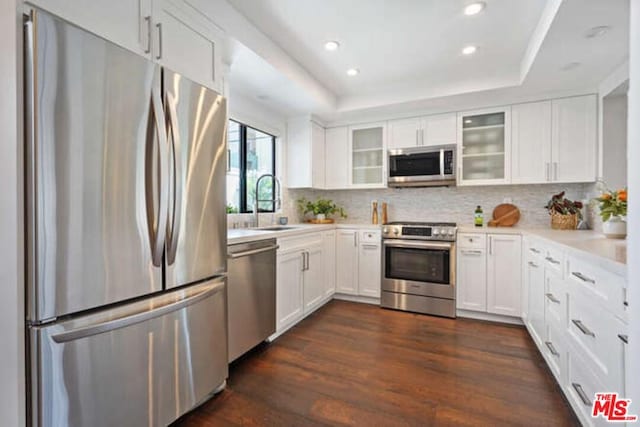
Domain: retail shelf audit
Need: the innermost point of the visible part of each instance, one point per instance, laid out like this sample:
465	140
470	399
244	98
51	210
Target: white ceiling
408	51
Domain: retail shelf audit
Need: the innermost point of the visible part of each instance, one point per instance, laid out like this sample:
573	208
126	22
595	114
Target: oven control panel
435	231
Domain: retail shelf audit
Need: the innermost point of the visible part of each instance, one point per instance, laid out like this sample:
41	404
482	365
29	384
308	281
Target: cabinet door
573	139
484	147
439	129
337	158
369	269
125	23
289	281
535	314
504	274
317	156
531	143
188	44
405	133
313	277
367	157
347	262
471	279
329	242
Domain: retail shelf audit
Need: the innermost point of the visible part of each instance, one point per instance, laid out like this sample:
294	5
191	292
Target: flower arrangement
321	206
563	206
612	204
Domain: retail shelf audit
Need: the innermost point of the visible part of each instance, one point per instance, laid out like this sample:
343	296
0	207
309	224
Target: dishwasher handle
235	255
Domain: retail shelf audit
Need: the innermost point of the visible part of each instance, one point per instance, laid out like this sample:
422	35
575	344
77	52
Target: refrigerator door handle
158	226
177	183
138	317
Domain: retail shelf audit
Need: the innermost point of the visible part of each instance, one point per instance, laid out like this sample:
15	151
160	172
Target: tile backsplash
454	204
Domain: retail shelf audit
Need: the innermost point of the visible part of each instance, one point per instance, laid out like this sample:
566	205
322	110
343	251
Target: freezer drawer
144	364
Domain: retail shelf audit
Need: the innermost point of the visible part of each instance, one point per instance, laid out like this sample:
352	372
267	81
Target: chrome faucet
276	200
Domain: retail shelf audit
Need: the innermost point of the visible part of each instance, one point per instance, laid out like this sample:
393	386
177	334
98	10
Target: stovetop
441	231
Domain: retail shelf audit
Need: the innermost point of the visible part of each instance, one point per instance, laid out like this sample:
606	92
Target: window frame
243	208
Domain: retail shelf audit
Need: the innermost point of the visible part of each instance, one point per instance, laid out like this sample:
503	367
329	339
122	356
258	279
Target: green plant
612	203
231	209
320	206
564	206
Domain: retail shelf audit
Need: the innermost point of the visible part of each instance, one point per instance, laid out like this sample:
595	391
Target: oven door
419	268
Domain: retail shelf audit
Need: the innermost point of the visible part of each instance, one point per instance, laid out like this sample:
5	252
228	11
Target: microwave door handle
442	163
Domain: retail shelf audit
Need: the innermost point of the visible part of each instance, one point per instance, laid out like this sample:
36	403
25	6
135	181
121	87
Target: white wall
614	141
12	353
633	238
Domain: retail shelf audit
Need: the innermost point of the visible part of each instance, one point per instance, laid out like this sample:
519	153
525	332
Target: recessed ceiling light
474	8
570	66
331	45
353	72
597	31
468	50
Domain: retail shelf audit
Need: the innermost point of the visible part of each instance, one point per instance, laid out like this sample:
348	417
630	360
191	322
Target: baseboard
357	298
489	317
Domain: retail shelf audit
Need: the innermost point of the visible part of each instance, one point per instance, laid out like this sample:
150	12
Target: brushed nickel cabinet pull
552	349
552	298
583	396
583	328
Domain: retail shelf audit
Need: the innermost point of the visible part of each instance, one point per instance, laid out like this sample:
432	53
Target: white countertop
244	235
609	253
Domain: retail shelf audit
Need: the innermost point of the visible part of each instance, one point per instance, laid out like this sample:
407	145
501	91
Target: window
252	153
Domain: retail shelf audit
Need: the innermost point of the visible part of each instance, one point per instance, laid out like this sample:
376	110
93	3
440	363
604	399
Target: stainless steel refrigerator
126	233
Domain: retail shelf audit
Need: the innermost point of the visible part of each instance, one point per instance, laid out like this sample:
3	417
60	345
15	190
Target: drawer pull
583	396
470	252
552	298
533	264
624	338
583	277
583	328
552	349
552	261
534	250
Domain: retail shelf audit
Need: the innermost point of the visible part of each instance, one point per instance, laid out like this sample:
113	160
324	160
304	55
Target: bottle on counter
478	217
374	213
385	218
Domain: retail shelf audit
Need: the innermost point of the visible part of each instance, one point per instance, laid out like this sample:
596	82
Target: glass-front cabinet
484	147
367	155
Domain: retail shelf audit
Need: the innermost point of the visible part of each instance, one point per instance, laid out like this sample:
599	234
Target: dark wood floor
357	364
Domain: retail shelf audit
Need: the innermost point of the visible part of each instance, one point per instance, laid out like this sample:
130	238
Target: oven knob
451	233
395	231
436	231
385	230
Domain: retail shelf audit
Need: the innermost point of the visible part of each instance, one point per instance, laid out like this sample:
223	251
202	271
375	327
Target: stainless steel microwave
422	166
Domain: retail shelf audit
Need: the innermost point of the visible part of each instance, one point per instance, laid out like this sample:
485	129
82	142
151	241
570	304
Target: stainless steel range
419	268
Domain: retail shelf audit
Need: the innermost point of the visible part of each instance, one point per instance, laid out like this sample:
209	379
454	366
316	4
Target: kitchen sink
276	228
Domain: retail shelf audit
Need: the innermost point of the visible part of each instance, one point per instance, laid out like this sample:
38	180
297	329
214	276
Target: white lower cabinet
313	280
290	276
489	274
369	266
347	262
329	242
504	274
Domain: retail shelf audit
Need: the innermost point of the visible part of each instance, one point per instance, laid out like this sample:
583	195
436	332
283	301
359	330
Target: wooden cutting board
505	215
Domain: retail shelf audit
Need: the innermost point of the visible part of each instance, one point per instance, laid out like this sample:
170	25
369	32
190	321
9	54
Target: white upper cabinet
367	159
305	154
405	133
574	139
337	158
484	147
531	143
186	42
438	129
125	23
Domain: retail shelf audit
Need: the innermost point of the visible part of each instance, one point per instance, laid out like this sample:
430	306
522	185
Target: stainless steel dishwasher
251	295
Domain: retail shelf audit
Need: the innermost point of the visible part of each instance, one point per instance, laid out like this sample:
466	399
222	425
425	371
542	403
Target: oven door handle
412	244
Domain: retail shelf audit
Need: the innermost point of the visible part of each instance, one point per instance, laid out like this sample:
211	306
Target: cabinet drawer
598	285
594	334
533	248
299	242
555	301
554	259
555	352
581	387
472	241
370	236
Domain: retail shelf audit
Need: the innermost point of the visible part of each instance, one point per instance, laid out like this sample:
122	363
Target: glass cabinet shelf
367	155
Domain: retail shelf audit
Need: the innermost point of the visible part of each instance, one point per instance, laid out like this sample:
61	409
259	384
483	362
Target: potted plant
320	209
564	213
613	210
